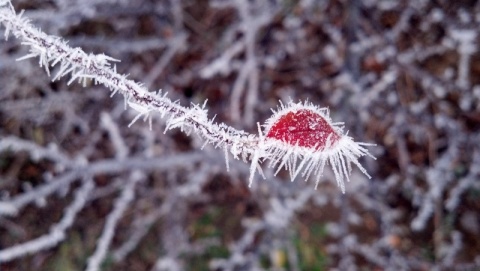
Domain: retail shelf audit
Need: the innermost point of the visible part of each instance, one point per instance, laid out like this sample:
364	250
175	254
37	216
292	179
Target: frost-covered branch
326	144
121	204
15	204
52	51
57	232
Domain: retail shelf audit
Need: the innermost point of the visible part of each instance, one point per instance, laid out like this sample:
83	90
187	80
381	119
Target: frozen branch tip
303	139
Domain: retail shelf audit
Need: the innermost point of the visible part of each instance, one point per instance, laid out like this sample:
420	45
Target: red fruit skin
304	127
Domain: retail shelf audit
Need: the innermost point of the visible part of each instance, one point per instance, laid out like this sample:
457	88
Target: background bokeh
402	74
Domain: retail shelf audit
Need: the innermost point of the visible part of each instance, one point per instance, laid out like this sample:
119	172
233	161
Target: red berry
302	138
303	127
